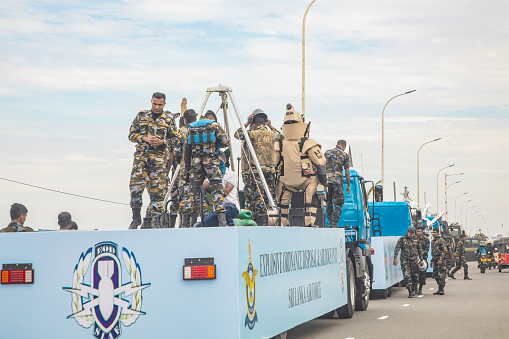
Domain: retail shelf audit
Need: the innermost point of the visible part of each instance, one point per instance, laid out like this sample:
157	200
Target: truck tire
389	292
362	302
347	310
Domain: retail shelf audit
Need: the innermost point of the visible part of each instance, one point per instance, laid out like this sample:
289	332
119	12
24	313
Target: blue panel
385	274
395	217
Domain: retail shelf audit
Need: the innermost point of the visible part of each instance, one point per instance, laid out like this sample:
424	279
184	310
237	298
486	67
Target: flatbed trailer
252	282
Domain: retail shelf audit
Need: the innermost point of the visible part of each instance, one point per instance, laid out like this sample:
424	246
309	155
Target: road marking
420	296
383	317
431	289
405	305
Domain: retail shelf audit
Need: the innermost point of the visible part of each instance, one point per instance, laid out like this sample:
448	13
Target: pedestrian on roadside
438	250
461	259
18	217
411	255
424	242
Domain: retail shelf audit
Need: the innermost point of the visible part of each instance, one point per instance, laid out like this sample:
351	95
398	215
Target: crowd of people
413	249
204	186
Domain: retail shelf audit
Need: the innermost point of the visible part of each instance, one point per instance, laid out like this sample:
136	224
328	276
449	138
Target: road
477	308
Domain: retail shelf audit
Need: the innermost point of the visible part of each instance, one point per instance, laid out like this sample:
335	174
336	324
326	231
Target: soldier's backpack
201	132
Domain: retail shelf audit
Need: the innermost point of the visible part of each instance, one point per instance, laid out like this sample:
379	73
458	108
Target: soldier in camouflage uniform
411	255
263	136
175	196
201	157
337	160
155	135
18	216
449	256
438	249
461	259
424	242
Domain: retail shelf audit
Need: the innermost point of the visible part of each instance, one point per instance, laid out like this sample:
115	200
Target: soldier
263	136
438	249
411	255
204	139
449	256
461	259
423	241
18	216
155	135
301	166
175	196
337	160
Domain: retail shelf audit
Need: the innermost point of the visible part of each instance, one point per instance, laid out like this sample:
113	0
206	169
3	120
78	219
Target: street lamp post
437	181
418	195
461	209
466	216
383	111
448	175
455	210
304	58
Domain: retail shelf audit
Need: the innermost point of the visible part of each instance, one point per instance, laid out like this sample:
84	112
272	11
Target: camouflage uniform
424	244
438	249
150	166
337	161
203	161
461	259
448	258
256	198
411	253
16	227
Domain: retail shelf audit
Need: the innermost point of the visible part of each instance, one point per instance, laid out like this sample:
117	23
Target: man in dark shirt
18	217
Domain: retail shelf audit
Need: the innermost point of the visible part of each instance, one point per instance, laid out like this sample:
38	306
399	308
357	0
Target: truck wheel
389	292
347	310
362	302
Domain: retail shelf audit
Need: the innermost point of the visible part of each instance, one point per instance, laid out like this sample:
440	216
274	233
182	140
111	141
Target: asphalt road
477	308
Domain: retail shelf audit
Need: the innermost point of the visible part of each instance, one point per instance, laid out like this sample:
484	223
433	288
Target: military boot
194	219
147	223
420	290
410	293
173	220
156	223
467	278
441	290
451	276
185	221
136	219
263	220
221	217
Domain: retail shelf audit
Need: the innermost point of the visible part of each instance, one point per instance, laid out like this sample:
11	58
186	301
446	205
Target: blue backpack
201	132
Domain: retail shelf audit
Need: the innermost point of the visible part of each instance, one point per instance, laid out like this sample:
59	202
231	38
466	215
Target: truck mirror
379	193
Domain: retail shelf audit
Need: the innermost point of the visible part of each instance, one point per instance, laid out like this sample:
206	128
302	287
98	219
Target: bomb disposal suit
301	166
150	163
204	139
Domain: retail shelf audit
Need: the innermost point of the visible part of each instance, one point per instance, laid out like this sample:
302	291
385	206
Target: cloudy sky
75	73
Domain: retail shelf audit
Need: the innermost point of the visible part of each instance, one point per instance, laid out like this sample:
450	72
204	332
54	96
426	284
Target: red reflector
17	274
199	268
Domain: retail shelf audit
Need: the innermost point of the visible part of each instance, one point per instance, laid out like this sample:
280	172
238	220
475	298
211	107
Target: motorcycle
483	263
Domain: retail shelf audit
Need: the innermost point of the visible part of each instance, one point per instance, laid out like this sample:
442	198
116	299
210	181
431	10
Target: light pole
418	198
448	175
466	216
383	130
455	210
461	209
304	59
437	181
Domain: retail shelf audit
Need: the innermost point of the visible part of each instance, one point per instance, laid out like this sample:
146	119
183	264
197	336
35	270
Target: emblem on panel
250	276
106	302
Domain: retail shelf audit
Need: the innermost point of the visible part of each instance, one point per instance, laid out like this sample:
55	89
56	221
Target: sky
75	73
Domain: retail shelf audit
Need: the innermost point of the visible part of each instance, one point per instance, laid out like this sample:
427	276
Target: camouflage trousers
459	264
449	263
206	166
335	201
439	273
254	191
149	171
410	273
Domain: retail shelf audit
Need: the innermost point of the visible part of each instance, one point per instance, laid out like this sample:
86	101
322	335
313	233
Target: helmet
259	112
483	243
292	116
423	267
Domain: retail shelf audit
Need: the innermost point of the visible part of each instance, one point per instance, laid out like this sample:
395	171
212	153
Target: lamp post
455	210
466	216
418	195
437	181
383	130
461	209
304	58
445	181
